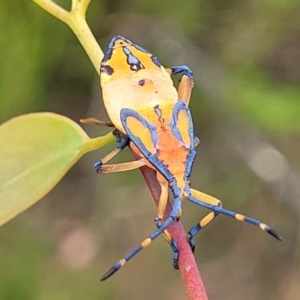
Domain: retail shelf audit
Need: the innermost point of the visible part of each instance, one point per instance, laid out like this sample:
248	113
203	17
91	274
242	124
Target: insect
153	118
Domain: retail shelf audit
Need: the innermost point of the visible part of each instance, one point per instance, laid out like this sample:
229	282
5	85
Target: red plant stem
187	265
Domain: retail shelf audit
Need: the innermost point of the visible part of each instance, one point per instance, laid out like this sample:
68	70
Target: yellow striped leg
219	210
123	143
147	241
163	200
207	219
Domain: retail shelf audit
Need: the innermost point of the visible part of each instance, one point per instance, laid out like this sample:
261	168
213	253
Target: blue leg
195	229
161	208
184	70
186	82
173	244
147	241
239	217
207	219
123	143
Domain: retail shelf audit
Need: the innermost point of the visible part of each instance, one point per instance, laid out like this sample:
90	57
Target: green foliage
30	271
37	151
188	13
263	100
20	269
283	3
24	68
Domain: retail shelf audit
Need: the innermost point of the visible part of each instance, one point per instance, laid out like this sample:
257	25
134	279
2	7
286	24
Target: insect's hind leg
160	214
238	217
186	82
204	221
146	242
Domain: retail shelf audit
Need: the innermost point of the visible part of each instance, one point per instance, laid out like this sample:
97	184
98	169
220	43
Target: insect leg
147	241
186	82
239	217
123	143
122	167
184	70
94	121
122	140
160	214
207	219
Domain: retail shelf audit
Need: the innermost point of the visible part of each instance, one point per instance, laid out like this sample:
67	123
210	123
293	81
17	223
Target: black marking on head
142	82
107	69
155	61
136	67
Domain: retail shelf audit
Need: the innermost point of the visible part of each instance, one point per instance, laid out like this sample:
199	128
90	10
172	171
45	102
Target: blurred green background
246	107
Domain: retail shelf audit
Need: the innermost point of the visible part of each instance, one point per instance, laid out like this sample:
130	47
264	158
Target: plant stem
98	142
53	9
75	19
187	265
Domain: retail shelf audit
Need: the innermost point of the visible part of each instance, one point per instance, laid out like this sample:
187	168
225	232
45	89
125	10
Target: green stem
75	19
99	142
53	9
81	29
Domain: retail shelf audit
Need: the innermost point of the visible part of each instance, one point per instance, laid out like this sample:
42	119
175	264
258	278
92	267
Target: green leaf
36	152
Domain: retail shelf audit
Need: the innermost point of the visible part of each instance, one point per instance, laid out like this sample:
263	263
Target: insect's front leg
123	142
186	83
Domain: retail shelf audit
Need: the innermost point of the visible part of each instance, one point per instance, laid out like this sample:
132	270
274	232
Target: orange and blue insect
155	121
